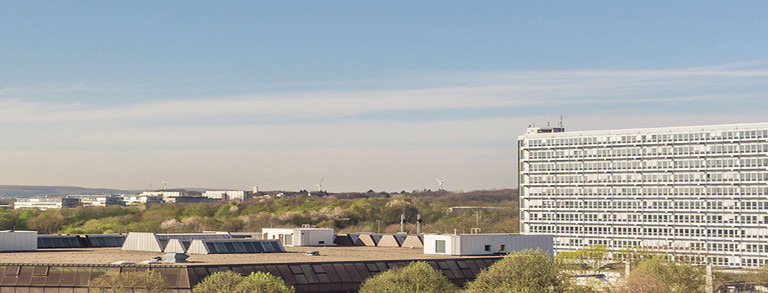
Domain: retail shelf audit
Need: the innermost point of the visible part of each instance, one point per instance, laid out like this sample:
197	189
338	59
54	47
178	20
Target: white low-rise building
300	236
236	195
18	240
485	244
99	200
46	202
145	199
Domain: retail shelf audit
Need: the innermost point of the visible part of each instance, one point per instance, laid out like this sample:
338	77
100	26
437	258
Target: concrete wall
486	244
142	241
313	237
300	236
18	240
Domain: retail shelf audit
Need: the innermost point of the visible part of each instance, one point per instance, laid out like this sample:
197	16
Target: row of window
646	165
607	151
643	191
640	231
637	204
634	178
648	219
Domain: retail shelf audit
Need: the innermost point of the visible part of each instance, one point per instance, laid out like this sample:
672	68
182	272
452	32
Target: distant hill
27	191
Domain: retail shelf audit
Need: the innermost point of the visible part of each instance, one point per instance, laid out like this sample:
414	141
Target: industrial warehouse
67	262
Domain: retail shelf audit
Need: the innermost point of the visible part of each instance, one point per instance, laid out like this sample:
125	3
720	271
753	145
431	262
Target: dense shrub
143	281
263	282
658	274
526	271
219	282
231	282
415	277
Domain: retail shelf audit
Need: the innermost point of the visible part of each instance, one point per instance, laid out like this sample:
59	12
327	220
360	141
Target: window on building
439	246
487	248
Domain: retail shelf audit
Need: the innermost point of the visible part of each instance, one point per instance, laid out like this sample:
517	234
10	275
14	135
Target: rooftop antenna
440	184
320	185
561	120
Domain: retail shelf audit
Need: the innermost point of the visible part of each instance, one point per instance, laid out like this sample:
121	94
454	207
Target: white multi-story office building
237	195
168	196
145	199
46	202
698	193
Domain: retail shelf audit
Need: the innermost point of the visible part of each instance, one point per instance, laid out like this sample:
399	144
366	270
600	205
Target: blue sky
383	96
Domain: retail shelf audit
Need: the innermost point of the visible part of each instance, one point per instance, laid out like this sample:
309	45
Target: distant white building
99	200
485	244
166	195
300	236
236	195
190	199
46	202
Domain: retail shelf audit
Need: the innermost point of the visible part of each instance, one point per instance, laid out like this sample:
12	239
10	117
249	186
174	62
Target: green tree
525	271
219	282
754	276
231	282
416	277
47	223
7	220
592	259
142	281
263	282
658	274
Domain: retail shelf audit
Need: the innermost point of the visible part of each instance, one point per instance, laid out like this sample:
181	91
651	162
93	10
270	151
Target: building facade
236	195
145	199
46	202
485	244
166	195
99	200
699	193
300	236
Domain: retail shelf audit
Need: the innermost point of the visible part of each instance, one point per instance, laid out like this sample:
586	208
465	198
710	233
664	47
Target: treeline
349	212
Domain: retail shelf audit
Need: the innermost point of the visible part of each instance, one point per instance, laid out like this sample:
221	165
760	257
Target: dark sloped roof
305	277
343	240
105	240
57	241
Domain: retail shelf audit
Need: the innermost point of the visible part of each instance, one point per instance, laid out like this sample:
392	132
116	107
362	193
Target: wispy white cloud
483	90
229	140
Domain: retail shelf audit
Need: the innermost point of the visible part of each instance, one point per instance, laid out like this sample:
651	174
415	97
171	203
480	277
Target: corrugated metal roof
305	277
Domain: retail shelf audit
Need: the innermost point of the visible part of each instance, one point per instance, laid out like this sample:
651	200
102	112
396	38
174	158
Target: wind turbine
165	183
440	184
320	185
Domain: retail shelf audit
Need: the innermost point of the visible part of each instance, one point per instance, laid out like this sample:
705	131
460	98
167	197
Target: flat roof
671	129
107	255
